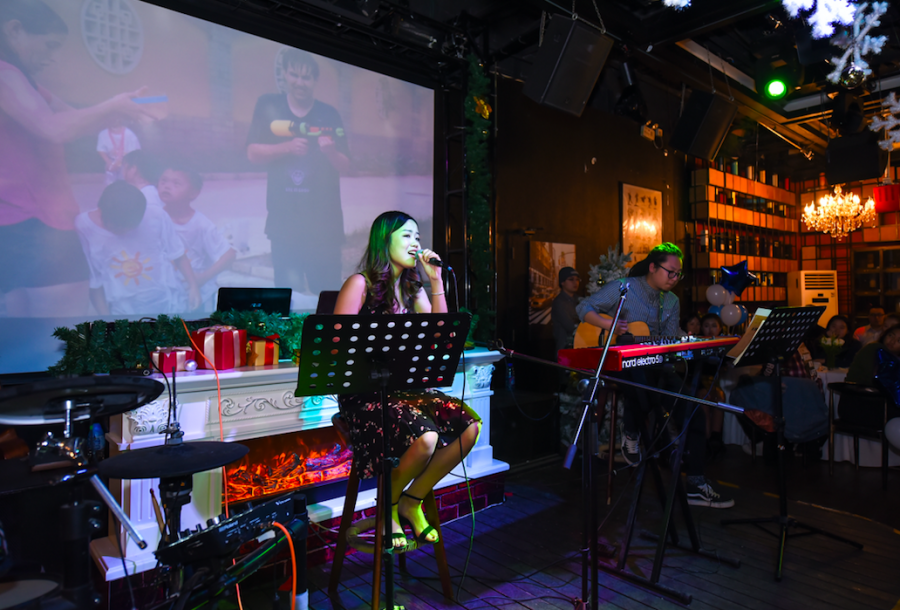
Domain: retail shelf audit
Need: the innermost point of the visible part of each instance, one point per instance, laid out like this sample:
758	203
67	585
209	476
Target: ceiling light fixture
838	214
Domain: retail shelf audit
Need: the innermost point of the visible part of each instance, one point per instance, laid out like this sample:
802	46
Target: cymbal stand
78	517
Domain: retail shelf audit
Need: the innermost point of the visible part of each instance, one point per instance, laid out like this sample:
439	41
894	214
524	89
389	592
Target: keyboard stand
667	499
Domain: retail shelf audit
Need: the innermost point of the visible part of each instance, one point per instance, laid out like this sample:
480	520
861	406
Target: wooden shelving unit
734	219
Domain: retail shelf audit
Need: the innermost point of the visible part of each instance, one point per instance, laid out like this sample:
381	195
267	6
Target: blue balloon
716	309
736	277
744	314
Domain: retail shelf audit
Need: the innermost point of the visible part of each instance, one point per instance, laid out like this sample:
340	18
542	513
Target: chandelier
838	214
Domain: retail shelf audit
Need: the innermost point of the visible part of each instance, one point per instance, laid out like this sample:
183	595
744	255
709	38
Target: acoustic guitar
588	335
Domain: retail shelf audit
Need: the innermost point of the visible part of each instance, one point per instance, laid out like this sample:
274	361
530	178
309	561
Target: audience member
563	315
871	332
711	325
862	370
837	328
691	325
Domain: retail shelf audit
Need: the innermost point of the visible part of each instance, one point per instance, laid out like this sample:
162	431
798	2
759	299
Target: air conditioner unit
814	288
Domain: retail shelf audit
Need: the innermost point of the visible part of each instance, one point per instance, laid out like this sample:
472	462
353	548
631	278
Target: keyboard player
651	301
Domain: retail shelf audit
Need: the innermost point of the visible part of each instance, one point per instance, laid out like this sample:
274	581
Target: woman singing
430	431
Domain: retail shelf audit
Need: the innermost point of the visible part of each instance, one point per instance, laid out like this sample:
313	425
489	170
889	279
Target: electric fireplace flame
287	462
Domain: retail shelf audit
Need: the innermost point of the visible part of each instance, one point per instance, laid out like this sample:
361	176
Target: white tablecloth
869	450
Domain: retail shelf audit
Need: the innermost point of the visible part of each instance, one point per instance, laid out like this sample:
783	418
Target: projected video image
149	158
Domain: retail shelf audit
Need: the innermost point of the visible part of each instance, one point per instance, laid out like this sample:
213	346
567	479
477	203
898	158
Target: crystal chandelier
838	214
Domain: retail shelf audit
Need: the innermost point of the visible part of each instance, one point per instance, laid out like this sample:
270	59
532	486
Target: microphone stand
589	543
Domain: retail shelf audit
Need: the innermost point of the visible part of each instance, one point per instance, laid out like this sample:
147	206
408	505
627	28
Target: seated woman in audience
862	370
838	327
430	432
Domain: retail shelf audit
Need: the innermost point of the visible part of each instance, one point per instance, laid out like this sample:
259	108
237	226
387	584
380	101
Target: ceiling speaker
567	65
703	125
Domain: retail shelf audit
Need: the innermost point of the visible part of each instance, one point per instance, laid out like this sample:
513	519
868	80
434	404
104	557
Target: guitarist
651	301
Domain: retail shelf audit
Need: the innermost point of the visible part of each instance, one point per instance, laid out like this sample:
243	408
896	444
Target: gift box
262	350
167	357
223	346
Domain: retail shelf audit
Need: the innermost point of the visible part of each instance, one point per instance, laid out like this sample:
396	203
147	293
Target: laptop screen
270	300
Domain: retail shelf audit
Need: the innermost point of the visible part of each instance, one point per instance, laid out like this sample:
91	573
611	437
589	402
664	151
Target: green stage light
775	88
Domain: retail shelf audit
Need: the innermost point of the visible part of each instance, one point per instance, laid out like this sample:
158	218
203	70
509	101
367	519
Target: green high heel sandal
420	538
399	535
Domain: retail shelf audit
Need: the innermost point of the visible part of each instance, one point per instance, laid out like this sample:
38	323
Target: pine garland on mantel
101	347
478	198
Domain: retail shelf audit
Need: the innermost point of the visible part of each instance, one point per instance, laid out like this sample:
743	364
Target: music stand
776	340
381	353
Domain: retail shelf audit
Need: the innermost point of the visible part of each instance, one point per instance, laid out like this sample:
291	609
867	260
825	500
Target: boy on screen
131	248
208	251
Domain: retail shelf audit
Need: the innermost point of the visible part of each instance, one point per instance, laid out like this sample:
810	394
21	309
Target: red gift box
166	357
223	346
262	350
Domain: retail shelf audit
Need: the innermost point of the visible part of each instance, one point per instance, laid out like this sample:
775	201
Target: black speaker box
703	125
853	158
567	65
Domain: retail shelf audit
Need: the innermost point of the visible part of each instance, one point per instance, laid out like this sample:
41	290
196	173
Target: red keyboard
624	357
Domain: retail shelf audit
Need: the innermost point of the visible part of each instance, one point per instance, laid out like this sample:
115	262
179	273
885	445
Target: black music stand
775	341
367	354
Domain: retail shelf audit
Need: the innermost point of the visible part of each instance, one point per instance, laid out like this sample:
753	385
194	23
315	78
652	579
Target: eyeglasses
673	275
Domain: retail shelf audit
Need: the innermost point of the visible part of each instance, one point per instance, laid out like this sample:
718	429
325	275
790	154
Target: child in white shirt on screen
131	248
208	251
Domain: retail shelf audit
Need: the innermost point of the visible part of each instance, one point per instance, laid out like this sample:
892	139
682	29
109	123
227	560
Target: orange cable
197	350
293	564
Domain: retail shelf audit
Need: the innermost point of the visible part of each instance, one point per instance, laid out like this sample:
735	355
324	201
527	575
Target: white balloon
716	294
729	297
730	314
892	432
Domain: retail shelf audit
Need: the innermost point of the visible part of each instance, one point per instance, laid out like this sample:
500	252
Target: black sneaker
705	495
631	449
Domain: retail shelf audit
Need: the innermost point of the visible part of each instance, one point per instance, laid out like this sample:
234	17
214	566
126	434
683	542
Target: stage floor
525	551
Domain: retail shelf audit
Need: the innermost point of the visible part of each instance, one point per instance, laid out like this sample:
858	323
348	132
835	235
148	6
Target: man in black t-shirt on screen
301	142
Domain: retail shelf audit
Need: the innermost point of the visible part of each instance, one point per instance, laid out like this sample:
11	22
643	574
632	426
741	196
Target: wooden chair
382	511
854	392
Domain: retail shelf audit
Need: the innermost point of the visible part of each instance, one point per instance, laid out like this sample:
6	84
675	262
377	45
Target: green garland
478	198
101	347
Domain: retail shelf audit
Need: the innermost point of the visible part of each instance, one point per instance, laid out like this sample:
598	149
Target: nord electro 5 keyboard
625	357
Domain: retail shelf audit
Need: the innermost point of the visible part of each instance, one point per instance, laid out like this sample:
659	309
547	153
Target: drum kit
64	462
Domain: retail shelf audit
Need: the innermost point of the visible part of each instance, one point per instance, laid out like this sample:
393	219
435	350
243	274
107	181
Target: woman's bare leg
413	461
442	462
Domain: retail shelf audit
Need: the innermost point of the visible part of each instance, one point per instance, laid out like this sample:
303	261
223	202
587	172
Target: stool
382	511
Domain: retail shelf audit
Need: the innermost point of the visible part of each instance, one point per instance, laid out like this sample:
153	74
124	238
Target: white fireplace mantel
256	402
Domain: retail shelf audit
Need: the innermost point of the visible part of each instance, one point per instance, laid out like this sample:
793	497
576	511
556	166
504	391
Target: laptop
269	300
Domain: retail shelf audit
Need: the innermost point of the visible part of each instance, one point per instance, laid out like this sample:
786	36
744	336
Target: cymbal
43	402
171	460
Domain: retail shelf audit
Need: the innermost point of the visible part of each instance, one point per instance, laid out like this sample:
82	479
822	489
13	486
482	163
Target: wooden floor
525	552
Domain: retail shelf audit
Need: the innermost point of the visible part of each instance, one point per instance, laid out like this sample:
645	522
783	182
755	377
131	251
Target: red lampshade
887	198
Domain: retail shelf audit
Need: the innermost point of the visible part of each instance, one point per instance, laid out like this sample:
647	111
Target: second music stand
380	353
776	340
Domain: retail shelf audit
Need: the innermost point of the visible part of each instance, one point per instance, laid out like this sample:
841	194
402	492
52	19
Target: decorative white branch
891	106
860	43
826	13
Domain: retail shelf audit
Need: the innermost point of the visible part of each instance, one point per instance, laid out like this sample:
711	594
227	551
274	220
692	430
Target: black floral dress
412	415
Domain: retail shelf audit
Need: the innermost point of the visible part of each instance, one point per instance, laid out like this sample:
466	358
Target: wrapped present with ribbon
167	357
262	350
223	346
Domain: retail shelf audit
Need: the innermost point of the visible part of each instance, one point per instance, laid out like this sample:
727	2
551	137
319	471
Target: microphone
433	261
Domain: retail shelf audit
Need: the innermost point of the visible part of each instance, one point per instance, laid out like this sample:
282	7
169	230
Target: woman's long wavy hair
658	256
36	18
376	266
